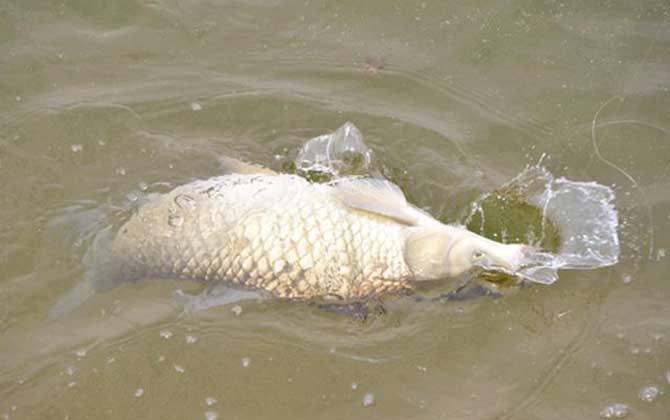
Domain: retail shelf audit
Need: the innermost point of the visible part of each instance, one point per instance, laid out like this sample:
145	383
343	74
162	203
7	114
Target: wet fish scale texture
277	233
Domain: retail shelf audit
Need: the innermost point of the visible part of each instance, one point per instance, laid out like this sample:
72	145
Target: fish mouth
506	262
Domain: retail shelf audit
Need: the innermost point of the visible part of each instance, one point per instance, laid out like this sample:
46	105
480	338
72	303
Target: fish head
449	251
470	250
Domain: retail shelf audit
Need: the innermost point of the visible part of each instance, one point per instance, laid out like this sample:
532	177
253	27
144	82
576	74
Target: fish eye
477	255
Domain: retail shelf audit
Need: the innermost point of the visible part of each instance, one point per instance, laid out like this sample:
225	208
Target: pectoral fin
381	197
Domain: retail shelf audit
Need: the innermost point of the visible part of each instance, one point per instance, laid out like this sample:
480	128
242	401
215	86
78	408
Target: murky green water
100	100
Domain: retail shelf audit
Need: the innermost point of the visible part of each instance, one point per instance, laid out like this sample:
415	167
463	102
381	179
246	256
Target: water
454	98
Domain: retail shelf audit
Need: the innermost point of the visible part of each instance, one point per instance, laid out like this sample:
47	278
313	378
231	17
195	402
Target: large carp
279	233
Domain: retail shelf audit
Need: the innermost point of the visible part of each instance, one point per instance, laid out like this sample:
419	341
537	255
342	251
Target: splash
341	152
581	213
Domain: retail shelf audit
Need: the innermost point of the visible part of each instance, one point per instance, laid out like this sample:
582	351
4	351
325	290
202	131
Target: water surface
103	102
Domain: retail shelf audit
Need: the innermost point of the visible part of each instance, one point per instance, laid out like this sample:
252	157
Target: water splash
338	153
582	213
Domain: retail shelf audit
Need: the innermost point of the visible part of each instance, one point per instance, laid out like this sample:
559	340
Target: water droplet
368	399
175	220
166	334
179	369
211	415
185	202
138	392
76	148
190	339
614	411
627	279
120	171
648	393
132	197
246	362
237	310
195	107
210	401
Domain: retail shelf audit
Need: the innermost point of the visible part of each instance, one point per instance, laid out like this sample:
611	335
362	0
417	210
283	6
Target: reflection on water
104	103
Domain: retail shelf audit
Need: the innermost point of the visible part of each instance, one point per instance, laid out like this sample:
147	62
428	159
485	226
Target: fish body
279	233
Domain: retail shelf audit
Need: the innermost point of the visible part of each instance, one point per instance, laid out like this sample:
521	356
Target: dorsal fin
381	197
235	166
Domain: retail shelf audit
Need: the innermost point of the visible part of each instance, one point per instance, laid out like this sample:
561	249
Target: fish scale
279	233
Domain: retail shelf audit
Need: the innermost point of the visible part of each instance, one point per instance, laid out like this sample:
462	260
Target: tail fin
100	275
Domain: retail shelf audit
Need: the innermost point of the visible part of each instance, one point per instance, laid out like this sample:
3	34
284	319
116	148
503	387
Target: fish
253	228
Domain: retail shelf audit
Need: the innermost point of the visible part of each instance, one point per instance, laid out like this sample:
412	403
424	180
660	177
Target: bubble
166	334
120	171
190	339
175	220
614	411
246	362
237	310
179	369
368	399
76	148
185	202
195	107
648	393
211	415
138	392
210	401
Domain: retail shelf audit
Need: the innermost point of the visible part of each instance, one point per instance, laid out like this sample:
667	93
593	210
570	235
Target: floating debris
166	334
195	107
246	362
179	369
138	392
70	370
190	339
368	399
627	279
648	393
373	64
615	411
237	310
120	171
76	148
210	401
81	353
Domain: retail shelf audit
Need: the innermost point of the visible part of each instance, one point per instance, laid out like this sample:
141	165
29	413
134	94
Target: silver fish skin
348	239
278	233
